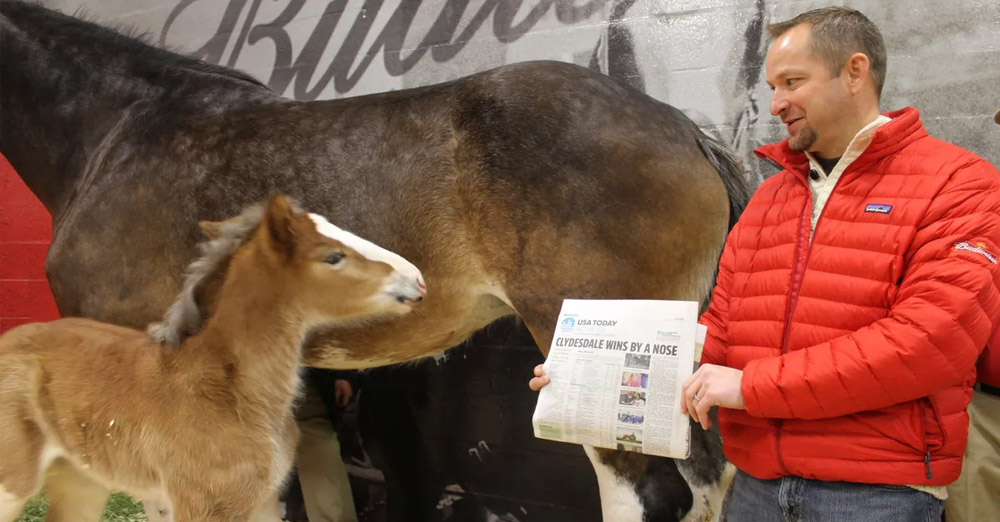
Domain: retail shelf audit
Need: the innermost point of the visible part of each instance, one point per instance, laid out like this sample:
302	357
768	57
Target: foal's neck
252	344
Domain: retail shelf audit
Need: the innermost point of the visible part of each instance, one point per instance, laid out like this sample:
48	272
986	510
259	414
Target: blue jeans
795	499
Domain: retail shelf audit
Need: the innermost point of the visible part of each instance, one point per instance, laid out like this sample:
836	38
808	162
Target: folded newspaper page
617	367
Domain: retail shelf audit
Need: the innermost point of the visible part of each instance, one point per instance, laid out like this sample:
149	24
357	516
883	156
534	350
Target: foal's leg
20	437
190	505
10	505
73	496
156	510
268	510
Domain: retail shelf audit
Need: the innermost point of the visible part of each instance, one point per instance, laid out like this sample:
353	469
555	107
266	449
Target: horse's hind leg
73	496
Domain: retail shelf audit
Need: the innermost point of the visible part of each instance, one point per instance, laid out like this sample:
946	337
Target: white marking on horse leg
10	505
707	502
367	248
619	501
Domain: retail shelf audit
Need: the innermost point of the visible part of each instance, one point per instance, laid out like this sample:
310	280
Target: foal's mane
185	317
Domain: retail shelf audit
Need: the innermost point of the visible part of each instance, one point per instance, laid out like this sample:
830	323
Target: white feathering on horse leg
619	501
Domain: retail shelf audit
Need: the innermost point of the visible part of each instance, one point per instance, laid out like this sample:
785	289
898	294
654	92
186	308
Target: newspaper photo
616	369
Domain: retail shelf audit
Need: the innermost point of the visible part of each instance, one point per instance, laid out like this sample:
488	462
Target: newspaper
616	369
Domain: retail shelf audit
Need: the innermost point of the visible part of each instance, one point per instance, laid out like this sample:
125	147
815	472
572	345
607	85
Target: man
853	298
326	488
976	494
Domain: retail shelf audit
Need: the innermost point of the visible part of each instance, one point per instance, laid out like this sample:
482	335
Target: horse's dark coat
511	189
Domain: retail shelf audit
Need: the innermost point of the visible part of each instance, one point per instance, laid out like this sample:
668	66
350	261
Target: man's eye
334	258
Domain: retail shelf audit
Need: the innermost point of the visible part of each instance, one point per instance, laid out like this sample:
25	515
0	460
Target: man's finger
538	382
691	387
692	405
691	380
704	405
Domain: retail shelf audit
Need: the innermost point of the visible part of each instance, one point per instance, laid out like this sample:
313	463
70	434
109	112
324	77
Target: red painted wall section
25	233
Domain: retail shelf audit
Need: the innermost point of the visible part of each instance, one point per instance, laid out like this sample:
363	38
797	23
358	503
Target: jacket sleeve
943	314
716	318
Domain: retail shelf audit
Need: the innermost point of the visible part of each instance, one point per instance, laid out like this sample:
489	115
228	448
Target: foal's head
322	273
298	265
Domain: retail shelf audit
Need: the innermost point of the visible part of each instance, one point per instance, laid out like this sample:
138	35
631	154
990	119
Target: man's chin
800	143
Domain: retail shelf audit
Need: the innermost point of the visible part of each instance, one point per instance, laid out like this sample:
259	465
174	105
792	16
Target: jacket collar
887	139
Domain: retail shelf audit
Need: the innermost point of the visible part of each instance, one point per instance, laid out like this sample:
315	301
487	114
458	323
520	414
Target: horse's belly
448	316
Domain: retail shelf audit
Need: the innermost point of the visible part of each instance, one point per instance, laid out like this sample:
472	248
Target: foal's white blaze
619	501
367	248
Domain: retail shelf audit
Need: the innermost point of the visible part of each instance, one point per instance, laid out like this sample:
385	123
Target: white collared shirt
822	188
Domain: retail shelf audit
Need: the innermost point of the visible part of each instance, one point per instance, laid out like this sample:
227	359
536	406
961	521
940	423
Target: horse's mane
127	41
184	317
164	54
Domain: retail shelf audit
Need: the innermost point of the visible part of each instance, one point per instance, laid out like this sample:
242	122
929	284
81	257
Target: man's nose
778	103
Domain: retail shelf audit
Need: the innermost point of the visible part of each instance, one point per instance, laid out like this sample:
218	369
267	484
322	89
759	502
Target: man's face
807	98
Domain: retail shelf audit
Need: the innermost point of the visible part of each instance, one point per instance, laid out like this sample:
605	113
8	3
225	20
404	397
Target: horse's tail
730	168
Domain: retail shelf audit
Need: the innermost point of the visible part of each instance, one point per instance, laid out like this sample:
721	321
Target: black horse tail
730	168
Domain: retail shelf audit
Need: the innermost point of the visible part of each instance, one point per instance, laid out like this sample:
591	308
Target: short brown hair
836	34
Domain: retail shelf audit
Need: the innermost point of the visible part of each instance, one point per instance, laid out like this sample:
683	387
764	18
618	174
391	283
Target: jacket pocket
934	436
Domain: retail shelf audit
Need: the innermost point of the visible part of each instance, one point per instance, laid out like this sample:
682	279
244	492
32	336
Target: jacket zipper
803	248
801	255
923	427
927	446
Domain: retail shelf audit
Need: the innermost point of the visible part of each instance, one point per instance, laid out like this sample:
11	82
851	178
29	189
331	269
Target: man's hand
343	392
711	386
540	379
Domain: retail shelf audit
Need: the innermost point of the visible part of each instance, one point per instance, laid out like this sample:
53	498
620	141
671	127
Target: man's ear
857	72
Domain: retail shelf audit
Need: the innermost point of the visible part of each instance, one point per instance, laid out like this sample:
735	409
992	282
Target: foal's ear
211	229
280	218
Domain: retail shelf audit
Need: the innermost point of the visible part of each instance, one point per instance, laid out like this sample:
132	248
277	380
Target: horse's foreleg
619	501
708	498
73	496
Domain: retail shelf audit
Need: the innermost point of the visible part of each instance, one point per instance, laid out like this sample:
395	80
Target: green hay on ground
121	508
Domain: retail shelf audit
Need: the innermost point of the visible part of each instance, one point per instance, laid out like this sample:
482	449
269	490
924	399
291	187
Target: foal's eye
334	258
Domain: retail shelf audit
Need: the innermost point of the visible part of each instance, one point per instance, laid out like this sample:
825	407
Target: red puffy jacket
858	349
988	369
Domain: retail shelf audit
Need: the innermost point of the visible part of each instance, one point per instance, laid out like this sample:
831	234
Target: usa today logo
568	324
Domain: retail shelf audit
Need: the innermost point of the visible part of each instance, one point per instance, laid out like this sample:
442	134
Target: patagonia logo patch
977	248
878	208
